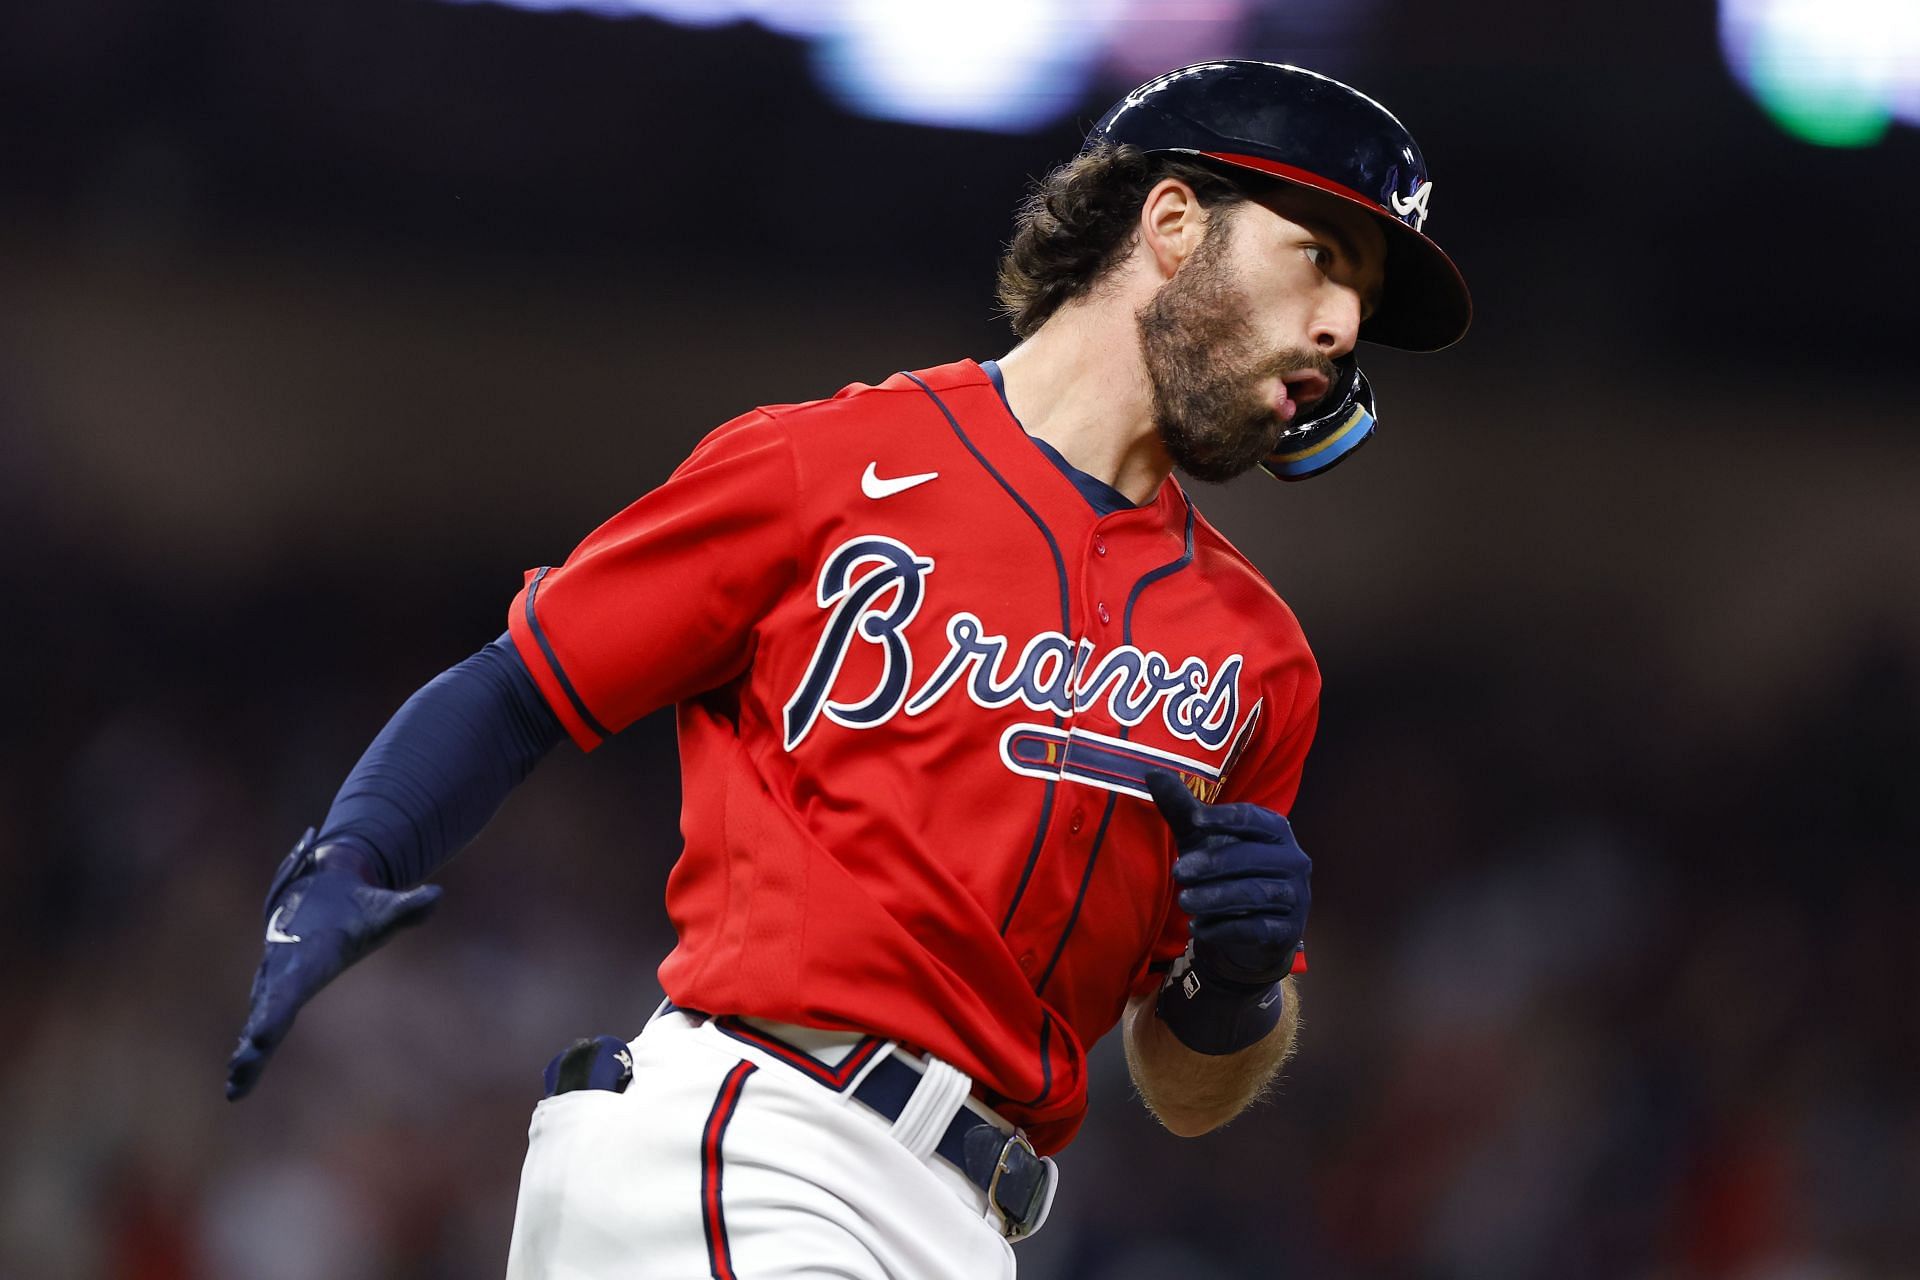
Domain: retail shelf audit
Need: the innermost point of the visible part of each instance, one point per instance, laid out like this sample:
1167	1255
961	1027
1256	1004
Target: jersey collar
974	398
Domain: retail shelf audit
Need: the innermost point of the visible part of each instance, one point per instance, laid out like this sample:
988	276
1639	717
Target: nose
1337	328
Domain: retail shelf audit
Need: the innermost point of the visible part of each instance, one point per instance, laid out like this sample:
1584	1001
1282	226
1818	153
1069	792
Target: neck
1080	385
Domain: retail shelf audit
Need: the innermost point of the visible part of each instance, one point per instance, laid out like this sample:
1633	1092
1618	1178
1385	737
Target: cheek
1278	300
1279	323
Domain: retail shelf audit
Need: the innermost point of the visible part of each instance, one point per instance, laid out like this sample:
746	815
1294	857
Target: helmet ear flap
1330	430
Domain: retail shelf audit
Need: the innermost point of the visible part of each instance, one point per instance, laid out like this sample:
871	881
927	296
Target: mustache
1300	360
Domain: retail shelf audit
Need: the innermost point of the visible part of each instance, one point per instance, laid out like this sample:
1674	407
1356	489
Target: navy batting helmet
1297	126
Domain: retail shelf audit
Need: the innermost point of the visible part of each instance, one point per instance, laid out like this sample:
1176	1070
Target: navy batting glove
325	910
1245	885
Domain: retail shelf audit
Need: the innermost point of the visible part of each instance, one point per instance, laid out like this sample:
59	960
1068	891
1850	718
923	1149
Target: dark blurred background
319	324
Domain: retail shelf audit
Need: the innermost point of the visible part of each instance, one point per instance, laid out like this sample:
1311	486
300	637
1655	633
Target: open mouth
1304	389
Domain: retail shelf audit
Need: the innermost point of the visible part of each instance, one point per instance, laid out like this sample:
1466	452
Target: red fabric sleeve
660	602
1273	782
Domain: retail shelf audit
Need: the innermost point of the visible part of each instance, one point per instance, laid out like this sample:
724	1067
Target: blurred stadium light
1004	65
1836	73
1008	66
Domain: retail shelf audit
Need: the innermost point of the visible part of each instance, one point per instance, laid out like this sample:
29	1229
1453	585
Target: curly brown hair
1078	221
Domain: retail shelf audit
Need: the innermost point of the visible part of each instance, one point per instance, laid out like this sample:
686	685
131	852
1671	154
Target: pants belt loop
942	1090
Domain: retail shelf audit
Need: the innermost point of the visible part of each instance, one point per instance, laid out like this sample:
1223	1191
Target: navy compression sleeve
442	766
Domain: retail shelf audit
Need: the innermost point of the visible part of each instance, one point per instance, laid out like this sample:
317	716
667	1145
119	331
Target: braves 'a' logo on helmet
1415	204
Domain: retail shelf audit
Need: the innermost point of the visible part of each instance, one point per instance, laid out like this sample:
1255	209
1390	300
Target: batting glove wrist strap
349	856
1215	1016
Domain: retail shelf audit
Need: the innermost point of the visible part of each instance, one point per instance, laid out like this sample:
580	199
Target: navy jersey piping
1100	835
1154	575
1060	572
1053	545
553	662
1086	879
1046	1062
1101	496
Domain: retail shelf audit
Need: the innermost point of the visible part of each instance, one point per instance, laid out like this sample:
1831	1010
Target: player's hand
323	912
1244	884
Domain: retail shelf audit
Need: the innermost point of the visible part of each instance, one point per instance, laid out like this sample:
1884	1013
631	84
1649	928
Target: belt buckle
1022	1162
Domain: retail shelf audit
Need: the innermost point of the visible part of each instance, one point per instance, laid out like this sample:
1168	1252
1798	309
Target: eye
1320	256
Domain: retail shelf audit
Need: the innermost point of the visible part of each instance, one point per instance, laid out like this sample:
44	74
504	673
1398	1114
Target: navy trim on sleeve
553	661
432	778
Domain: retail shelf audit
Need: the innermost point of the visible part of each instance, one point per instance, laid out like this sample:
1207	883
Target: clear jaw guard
1337	424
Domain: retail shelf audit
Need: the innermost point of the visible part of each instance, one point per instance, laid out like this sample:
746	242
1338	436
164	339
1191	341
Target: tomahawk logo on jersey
915	720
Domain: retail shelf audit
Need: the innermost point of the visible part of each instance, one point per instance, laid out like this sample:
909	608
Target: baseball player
987	736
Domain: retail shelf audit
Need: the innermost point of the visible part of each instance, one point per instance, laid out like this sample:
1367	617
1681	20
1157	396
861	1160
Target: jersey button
1027	960
1099	546
1101	609
1077	822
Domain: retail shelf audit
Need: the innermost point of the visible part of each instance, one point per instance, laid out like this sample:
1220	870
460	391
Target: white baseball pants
721	1160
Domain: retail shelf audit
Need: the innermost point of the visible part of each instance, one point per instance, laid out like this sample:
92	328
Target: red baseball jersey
920	680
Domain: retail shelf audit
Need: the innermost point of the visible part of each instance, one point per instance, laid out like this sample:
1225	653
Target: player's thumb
1179	806
398	910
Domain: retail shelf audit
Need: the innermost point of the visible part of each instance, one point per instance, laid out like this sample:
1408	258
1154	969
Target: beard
1207	370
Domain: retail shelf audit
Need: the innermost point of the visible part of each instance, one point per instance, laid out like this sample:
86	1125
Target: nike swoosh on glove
324	911
1243	881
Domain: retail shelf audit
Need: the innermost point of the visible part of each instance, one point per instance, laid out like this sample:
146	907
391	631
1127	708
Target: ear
1172	224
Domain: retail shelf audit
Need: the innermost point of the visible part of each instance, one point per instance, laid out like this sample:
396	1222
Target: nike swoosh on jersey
274	933
874	487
